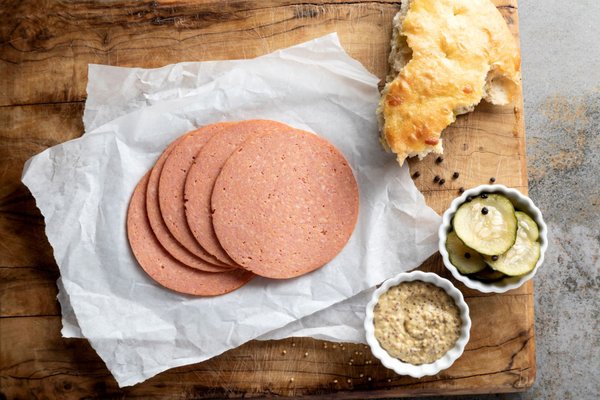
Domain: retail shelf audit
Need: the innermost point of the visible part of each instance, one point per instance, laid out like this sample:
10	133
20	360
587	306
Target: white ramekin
522	203
418	371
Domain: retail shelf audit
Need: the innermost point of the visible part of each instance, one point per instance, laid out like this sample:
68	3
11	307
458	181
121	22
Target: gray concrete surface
561	75
560	42
560	46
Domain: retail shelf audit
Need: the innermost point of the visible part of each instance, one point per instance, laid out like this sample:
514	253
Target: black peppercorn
484	211
467	255
442	181
455	175
469	198
484	195
492	179
439	159
494	258
461	189
436	178
416	174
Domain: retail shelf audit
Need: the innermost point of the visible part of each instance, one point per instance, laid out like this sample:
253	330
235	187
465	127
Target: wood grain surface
45	48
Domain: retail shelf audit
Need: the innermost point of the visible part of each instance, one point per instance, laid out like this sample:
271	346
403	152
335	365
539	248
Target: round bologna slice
158	225
285	204
171	185
163	268
203	174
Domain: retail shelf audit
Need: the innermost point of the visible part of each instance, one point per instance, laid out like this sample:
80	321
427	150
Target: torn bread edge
495	89
400	55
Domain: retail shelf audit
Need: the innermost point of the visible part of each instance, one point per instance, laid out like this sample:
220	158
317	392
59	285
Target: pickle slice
487	224
528	225
464	258
524	254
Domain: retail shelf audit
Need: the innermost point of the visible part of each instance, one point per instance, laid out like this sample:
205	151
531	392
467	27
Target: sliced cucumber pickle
464	258
524	254
528	225
487	224
488	275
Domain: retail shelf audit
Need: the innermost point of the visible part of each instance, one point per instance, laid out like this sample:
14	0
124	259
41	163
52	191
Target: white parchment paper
83	187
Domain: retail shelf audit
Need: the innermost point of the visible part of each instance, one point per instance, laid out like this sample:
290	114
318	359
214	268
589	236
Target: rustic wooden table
44	52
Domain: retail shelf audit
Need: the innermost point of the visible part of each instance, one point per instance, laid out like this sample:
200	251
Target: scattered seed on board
455	175
439	159
416	174
436	178
335	381
461	189
291	379
442	181
349	380
369	379
284	352
361	375
492	179
293	344
306	354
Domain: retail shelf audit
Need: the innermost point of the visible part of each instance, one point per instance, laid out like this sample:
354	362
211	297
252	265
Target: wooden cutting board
44	52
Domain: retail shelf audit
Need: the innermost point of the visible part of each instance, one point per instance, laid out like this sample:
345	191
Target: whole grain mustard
416	322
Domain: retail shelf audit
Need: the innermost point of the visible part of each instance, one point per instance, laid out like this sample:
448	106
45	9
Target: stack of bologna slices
233	200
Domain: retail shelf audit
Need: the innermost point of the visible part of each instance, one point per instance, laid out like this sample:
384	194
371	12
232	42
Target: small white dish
521	202
418	371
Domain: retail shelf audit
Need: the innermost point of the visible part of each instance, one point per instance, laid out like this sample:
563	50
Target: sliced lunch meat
284	204
172	183
159	227
163	268
203	173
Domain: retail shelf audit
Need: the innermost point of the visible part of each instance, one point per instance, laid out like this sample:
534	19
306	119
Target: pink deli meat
171	188
284	204
203	174
163	268
158	225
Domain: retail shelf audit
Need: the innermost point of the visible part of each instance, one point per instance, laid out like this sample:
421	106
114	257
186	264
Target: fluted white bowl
403	368
522	203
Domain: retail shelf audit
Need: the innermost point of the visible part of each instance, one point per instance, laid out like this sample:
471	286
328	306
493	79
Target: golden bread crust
462	51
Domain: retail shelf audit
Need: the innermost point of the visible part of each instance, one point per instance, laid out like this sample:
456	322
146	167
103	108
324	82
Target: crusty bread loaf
446	55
